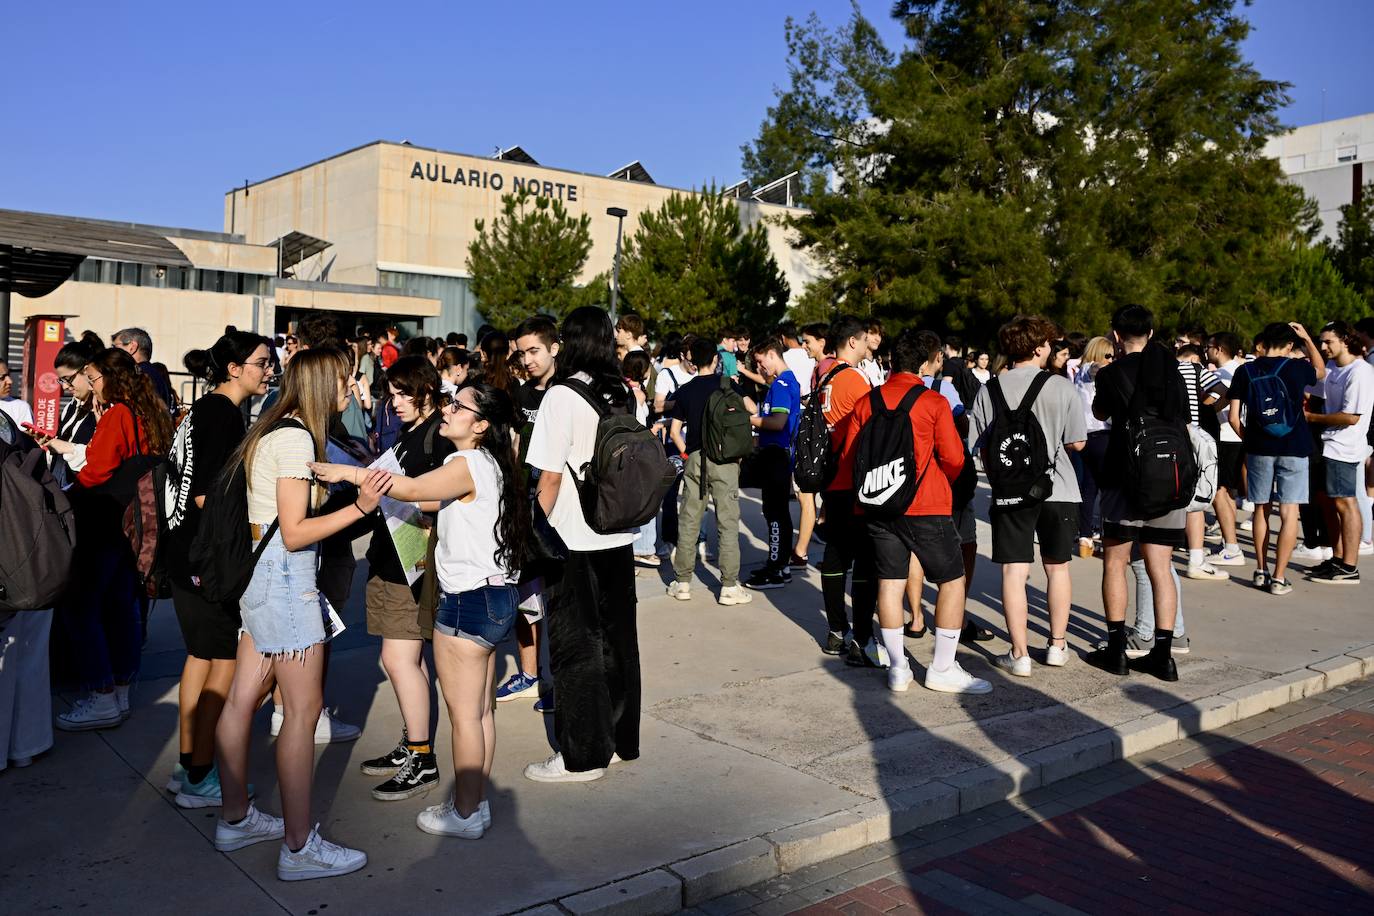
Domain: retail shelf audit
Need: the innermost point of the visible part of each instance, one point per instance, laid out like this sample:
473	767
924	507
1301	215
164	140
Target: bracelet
360	509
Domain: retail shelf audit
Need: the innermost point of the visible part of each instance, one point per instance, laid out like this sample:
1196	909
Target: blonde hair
1095	349
310	392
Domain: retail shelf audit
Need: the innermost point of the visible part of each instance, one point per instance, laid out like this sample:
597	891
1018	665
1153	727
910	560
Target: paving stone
1259	697
724	870
1301	683
817	840
909	810
993	783
1340	669
649	894
1365	654
1145	733
1077	755
1204	715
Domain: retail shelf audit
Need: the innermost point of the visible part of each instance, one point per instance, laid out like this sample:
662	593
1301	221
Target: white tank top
465	555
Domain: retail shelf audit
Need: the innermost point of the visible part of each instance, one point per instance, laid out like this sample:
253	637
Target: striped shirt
1199	380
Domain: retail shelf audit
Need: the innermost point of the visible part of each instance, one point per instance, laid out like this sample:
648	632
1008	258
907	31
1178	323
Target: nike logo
890	477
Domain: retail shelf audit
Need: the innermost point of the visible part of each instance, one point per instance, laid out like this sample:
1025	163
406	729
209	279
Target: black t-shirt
689	406
1296	375
418	451
1115	385
202	446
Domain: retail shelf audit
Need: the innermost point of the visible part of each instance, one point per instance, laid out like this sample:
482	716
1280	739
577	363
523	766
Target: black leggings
774	467
847	543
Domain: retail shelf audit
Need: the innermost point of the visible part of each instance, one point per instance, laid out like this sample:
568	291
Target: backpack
965	486
1160	463
1016	454
1205	455
813	464
624	483
136	485
885	478
222	551
727	435
1267	402
38	538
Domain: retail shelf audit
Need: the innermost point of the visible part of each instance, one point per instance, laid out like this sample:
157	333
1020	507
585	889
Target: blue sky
150	111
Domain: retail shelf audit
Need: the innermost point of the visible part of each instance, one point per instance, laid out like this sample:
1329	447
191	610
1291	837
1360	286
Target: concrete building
1328	161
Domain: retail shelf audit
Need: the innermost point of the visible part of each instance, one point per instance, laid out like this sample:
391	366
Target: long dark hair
588	345
513	513
125	384
495	361
212	365
77	353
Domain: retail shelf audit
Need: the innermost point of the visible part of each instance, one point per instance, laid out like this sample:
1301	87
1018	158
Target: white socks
896	649
946	644
1196	557
1231	550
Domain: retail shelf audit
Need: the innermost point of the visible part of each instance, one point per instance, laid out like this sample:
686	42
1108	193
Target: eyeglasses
262	364
64	380
455	406
94	379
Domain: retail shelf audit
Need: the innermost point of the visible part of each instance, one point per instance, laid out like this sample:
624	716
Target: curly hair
125	384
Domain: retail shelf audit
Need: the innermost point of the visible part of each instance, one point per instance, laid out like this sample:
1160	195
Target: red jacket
932	427
112	442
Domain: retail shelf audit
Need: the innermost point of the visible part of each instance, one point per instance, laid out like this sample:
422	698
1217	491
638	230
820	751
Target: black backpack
726	433
1016	454
221	553
38	538
963	487
885	478
1161	468
624	483
813	464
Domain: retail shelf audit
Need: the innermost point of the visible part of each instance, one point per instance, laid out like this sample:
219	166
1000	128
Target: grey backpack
39	534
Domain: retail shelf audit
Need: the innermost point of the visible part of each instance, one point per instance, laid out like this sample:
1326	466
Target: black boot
1160	664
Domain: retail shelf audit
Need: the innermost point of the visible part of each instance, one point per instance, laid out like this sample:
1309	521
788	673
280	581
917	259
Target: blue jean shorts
484	615
1278	479
1342	477
283	608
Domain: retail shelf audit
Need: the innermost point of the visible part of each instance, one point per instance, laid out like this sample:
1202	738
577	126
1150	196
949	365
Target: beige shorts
393	614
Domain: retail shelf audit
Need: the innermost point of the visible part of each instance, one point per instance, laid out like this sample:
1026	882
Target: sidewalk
754	743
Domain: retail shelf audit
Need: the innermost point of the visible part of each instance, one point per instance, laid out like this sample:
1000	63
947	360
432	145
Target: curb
694	880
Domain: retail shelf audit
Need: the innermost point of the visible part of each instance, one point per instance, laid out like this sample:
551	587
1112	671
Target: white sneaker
318	858
328	730
1222	558
1021	667
682	591
1247	525
1305	554
444	820
1057	656
122	698
899	679
485	808
99	710
553	770
1207	573
735	594
256	827
955	680
1328	553
1366	549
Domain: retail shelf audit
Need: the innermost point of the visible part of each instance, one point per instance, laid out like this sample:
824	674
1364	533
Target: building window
1345	154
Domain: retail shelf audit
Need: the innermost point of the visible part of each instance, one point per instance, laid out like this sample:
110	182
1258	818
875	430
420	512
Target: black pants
594	657
1089	463
774	468
846	544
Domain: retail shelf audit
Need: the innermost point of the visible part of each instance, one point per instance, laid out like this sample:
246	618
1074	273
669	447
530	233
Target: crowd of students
877	439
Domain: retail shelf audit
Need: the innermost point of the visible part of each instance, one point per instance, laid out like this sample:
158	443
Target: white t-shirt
1349	389
19	411
802	366
465	557
1225	372
669	380
872	371
280	453
565	434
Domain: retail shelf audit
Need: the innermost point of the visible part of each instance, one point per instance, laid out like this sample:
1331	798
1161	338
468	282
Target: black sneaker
1161	666
873	655
972	633
1335	573
836	643
797	561
386	764
417	775
765	578
1109	661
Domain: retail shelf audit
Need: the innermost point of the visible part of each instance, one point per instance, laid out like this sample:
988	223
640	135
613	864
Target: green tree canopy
1035	156
526	262
1352	252
691	266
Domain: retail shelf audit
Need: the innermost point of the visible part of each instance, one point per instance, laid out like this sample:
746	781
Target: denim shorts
1342	477
1278	479
484	615
283	608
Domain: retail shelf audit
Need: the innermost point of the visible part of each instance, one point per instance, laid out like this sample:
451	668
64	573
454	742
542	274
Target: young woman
77	423
104	627
285	619
482	528
392	612
1097	353
495	368
980	367
453	369
238	367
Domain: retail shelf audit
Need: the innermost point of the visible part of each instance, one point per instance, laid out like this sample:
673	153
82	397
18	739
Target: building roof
295	247
517	154
634	171
40	251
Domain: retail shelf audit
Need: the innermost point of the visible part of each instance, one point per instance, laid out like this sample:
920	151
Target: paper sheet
408	526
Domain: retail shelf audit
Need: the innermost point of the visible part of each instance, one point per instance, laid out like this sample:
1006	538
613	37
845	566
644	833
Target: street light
619	213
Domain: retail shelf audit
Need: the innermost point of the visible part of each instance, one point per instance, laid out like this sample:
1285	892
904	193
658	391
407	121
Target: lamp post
619	213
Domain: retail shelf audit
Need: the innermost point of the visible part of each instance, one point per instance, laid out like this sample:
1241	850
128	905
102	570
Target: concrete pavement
753	742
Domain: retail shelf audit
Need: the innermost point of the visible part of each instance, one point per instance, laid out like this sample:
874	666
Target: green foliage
690	266
1308	289
1352	253
1036	156
529	259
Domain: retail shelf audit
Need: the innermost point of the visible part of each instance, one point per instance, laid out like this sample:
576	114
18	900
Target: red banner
42	339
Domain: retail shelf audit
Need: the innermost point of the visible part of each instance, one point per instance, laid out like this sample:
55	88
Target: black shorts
1231	466
210	630
932	538
1014	532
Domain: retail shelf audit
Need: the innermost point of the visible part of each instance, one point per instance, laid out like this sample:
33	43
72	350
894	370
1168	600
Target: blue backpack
1268	404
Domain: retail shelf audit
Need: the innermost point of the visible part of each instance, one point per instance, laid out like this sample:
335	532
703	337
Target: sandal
974	633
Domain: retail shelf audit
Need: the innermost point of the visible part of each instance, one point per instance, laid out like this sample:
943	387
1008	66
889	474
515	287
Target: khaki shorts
392	612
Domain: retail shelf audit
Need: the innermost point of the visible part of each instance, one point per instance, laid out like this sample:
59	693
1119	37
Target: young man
725	350
795	356
869	367
1277	441
629	334
722	483
925	531
536	346
18	409
776	424
844	542
1026	341
391	348
1205	390
1345	444
1151	367
1225	356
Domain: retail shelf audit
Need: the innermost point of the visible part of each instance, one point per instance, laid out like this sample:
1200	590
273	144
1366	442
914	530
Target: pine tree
1352	252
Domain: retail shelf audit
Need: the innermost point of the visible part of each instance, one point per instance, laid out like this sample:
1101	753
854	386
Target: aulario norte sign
495	181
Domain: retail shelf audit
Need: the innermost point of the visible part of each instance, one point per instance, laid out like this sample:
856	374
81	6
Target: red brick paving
1281	826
